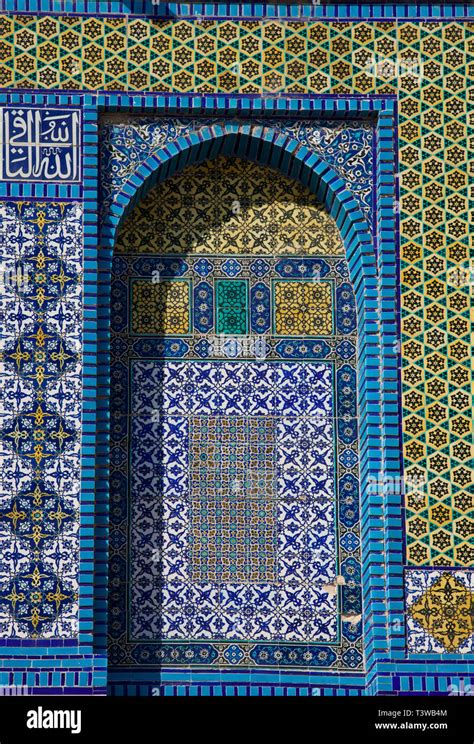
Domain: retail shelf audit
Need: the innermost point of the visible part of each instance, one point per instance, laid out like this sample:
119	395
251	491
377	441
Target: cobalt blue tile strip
296	12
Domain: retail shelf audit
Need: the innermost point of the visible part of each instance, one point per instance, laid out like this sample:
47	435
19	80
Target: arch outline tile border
375	284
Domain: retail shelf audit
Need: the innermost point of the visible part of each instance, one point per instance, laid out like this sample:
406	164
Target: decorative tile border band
293	11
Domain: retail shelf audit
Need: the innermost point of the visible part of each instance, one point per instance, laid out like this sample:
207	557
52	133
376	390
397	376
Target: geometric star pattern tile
74	52
435	132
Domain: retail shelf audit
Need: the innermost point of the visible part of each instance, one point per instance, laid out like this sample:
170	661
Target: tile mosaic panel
243	493
416	483
169	55
435	126
231	306
156	303
303	308
232	488
53	52
405	58
275	592
40	421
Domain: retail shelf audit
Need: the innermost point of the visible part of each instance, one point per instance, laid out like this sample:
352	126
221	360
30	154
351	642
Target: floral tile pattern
39	422
347	146
258	578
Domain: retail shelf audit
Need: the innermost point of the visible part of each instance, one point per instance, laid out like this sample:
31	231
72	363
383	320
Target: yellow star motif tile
446	612
303	308
161	309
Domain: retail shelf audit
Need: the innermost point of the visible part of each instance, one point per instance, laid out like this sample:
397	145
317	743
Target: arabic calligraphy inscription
40	145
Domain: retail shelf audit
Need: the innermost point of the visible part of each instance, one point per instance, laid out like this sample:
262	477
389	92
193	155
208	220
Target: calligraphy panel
40	145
